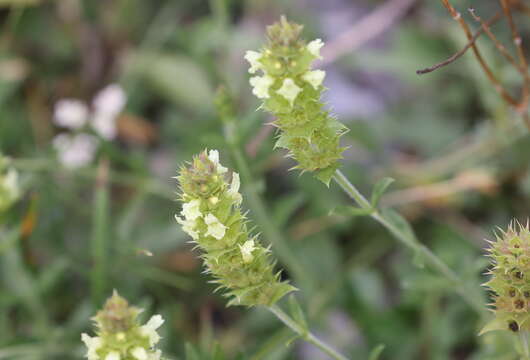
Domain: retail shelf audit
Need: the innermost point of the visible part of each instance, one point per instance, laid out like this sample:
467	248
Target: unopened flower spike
120	336
510	280
212	216
291	91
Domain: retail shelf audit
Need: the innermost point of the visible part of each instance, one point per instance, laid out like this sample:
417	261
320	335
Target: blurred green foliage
77	234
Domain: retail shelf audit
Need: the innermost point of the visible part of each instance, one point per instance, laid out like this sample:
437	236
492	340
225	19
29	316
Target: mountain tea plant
119	334
267	247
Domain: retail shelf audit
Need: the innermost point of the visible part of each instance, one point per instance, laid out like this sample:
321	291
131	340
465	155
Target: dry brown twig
521	65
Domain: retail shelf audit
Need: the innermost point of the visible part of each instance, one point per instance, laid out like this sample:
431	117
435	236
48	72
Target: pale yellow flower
113	355
314	48
253	58
314	77
188	226
139	353
215	227
93	344
246	250
149	329
289	90
191	209
261	85
213	155
233	191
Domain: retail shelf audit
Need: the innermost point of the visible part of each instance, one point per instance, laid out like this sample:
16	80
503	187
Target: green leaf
297	313
493	325
403	231
191	353
376	352
177	78
350	211
400	226
379	189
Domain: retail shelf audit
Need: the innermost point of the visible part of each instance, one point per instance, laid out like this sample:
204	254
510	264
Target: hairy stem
305	334
410	242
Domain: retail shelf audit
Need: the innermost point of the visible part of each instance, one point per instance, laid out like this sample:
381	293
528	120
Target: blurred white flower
108	104
75	151
70	113
149	330
104	124
110	100
191	210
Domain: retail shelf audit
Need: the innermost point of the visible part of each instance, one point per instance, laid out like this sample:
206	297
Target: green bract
510	280
119	334
211	215
291	91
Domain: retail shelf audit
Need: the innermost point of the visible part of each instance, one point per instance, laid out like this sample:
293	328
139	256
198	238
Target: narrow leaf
297	312
379	189
376	352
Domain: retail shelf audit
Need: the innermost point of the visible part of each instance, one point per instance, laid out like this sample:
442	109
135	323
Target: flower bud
510	280
212	216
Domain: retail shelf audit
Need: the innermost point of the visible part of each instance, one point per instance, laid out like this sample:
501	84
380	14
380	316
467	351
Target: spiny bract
119	334
211	215
510	280
291	91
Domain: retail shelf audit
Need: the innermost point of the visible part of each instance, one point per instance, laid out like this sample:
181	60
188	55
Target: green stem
99	234
304	333
410	241
524	345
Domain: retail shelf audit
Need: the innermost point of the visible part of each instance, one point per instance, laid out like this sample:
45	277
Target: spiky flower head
211	215
9	189
291	91
120	335
510	279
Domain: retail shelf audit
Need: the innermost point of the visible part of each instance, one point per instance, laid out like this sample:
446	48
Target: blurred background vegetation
458	153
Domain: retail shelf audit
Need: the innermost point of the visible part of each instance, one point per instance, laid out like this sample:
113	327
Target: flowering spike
291	91
119	334
510	279
211	214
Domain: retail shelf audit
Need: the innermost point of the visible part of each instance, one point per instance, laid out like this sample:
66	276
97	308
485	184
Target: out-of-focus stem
259	210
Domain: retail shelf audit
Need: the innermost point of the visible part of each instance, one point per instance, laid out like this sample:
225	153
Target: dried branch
496	84
457	55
